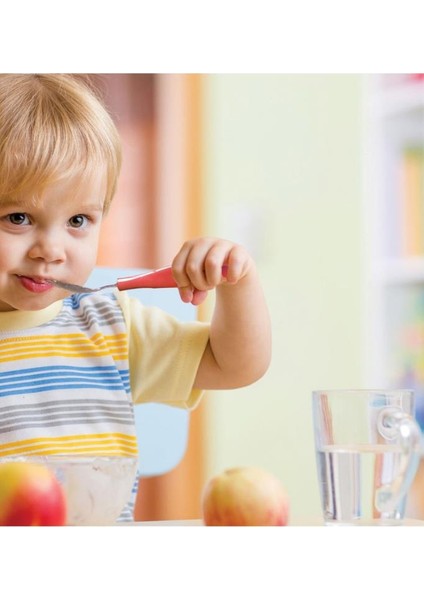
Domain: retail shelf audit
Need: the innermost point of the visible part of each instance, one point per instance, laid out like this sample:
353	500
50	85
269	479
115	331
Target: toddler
72	366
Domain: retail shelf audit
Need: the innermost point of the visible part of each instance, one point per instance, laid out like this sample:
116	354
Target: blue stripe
63	368
102	381
74	301
63	377
109	377
45	388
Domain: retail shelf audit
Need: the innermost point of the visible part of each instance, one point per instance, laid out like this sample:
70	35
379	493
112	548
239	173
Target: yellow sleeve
164	354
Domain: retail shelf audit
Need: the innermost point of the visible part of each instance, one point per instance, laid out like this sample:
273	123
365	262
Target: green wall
283	175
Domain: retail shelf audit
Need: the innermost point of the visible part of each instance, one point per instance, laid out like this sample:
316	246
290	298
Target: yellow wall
282	157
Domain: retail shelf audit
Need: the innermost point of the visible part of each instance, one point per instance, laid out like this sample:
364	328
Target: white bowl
97	488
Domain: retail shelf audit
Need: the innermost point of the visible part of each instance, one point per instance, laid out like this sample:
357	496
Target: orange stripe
116	356
85	444
73	345
118	451
61	340
73	438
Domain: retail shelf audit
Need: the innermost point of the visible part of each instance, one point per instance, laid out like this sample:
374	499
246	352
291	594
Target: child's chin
39	303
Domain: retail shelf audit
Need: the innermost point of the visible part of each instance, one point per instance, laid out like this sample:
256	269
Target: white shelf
398	100
394	119
399	271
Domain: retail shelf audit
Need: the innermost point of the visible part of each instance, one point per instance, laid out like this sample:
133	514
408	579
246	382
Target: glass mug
368	450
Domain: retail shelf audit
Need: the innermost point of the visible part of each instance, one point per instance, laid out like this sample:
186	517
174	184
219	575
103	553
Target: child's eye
18	219
78	221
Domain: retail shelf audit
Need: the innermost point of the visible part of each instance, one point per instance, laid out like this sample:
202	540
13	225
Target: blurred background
291	167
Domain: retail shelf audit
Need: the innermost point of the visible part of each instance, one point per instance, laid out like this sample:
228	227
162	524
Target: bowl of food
97	488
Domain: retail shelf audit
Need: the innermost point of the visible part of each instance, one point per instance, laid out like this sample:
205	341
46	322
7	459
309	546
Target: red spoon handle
161	278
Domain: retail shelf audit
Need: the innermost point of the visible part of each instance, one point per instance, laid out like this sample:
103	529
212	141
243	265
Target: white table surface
316	522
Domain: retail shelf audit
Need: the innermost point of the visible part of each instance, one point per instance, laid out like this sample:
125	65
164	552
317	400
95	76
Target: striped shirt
65	380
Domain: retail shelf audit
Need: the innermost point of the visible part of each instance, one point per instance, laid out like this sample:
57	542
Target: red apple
30	495
245	496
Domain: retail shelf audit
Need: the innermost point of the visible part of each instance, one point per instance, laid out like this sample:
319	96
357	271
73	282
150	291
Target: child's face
55	237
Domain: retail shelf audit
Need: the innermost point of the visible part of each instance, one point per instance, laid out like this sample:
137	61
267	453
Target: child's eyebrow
28	205
91	206
15	204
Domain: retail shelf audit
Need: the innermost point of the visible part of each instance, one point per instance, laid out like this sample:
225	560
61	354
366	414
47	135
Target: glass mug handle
393	424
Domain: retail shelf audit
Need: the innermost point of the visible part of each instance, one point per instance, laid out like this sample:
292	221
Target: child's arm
239	348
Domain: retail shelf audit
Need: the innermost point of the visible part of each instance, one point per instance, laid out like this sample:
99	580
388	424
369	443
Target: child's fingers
178	268
214	263
236	262
199	265
186	293
199	296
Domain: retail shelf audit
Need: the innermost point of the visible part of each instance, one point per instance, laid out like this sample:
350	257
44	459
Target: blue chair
162	430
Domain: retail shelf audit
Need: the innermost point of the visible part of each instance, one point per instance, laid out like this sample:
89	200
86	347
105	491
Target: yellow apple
30	495
245	496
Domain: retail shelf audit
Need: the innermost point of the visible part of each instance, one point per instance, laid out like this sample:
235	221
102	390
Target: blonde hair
53	126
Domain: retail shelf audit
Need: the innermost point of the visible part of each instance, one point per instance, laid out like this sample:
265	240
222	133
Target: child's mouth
35	284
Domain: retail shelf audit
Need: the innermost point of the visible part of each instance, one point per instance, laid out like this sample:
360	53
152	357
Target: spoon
159	278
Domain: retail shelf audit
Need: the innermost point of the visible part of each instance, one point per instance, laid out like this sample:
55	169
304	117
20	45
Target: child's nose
49	247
